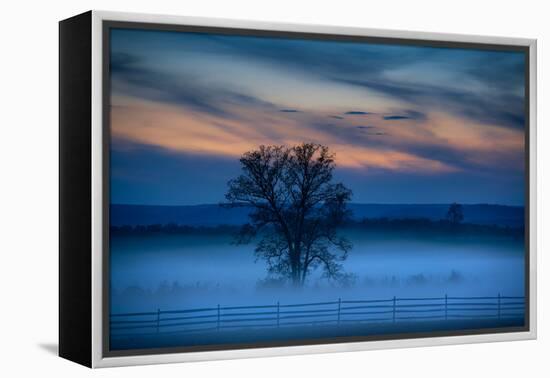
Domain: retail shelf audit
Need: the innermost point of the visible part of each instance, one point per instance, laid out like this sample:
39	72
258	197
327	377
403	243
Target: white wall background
28	165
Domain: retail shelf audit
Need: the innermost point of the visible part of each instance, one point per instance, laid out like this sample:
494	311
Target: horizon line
349	203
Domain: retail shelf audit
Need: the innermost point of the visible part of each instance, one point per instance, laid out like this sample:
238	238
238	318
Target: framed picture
232	189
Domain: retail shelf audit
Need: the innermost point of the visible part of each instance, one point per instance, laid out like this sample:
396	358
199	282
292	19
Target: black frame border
107	25
75	189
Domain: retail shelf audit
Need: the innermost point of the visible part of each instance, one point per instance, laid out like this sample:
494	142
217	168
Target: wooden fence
337	312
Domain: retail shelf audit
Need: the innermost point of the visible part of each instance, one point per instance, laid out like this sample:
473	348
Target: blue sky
408	124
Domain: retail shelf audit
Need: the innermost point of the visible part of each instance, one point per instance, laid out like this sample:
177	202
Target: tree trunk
295	268
296	281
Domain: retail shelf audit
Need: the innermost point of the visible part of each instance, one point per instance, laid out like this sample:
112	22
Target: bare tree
455	214
296	210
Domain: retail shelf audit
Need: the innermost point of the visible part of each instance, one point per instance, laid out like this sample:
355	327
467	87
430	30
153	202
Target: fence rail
336	312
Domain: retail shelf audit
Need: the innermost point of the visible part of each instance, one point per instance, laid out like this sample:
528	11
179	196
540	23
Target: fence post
445	306
499	306
394	300
339	309
278	313
158	320
218	323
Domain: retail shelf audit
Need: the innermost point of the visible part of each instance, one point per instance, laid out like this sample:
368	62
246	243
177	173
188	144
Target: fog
174	272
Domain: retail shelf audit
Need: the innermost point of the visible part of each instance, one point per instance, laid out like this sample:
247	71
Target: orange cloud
184	130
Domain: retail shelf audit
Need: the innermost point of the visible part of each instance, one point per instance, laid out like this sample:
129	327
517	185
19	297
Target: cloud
407	114
185	105
176	129
366	129
479	85
321	58
131	76
451	143
501	109
396	117
438	114
357	112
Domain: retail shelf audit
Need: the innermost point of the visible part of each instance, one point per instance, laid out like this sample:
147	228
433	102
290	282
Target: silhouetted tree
455	214
296	210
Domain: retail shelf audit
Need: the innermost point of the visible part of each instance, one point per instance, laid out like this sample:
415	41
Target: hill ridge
212	214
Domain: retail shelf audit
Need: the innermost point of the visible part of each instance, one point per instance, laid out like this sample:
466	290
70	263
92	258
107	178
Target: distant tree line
426	225
172	228
411	225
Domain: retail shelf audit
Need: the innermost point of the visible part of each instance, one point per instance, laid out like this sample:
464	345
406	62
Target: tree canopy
297	209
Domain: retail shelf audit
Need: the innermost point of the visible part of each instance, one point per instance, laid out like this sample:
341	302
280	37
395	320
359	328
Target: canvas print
281	190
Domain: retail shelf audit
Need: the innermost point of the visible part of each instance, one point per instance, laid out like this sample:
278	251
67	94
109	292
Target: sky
408	124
